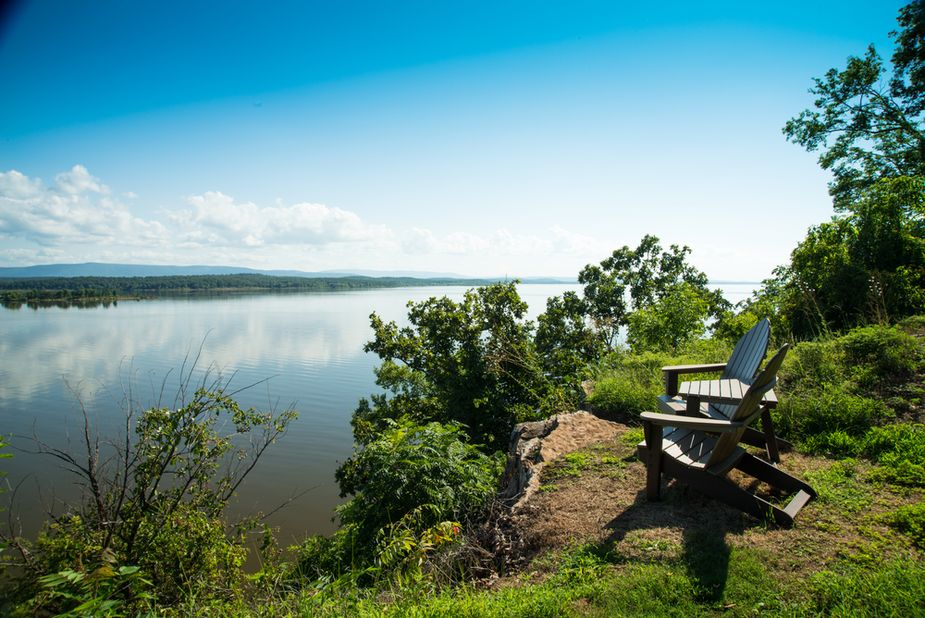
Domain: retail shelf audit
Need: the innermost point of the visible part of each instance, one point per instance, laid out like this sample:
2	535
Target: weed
910	520
839	486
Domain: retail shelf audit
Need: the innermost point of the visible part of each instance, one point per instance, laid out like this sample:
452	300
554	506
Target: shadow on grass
704	526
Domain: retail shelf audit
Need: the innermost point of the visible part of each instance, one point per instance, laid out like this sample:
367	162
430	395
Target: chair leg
654	458
766	439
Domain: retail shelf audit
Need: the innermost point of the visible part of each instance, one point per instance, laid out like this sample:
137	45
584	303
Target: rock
536	443
524	453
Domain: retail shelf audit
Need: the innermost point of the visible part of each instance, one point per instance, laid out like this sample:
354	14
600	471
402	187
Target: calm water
308	346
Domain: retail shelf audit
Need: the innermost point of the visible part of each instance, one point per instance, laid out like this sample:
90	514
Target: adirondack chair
701	451
742	365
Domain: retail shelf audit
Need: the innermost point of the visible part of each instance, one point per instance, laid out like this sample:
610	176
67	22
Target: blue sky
482	138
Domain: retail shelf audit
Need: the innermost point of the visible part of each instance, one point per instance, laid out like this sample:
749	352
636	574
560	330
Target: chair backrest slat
747	409
746	357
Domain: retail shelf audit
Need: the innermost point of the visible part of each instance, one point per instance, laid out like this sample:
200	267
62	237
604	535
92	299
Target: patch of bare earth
590	488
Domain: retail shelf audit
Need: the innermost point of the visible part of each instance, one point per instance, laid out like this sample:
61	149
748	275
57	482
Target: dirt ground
591	489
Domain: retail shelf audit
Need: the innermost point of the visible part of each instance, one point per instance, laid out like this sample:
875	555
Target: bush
829	410
671	322
472	363
410	466
811	365
877	356
152	509
625	393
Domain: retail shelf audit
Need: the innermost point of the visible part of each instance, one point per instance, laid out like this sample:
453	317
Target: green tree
629	281
867	119
867	266
677	318
472	363
565	340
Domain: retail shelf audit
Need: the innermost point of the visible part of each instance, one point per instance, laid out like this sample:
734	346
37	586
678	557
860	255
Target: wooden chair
701	451
742	365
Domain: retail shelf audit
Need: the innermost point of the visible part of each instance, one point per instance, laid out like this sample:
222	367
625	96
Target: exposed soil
590	488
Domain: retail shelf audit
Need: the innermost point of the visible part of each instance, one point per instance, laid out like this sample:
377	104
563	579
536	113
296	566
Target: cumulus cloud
218	218
78	208
76	217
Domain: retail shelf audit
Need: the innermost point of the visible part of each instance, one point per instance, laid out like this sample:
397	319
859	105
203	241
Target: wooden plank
797	503
692	448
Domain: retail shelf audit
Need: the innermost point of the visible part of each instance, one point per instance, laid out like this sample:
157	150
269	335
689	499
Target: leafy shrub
877	355
670	322
472	363
154	502
830	409
625	393
914	325
407	467
732	326
810	365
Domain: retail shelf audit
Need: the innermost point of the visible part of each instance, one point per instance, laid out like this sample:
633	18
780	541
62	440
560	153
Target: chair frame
743	365
724	454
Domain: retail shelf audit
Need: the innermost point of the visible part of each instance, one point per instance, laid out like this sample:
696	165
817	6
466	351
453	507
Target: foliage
647	275
154	500
869	127
831	409
731	325
471	363
900	451
626	393
430	471
403	547
866	265
566	343
655	293
878	357
98	593
671	322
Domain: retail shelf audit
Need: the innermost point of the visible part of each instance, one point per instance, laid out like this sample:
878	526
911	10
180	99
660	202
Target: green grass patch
572	465
910	520
892	588
840	486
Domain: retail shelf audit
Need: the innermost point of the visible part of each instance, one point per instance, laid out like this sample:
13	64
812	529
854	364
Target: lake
305	349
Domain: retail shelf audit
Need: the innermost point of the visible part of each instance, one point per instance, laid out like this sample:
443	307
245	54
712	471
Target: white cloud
78	209
218	218
78	218
78	180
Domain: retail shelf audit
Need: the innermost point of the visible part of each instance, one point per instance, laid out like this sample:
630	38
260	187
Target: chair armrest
671	373
694	368
691	422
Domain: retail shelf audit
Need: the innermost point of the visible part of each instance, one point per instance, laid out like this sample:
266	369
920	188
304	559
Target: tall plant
153	499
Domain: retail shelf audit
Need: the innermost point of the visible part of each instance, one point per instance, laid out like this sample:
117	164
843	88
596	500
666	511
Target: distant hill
98	269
